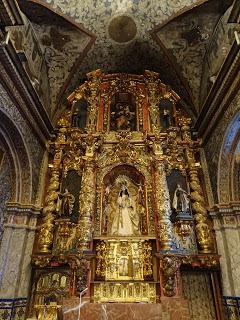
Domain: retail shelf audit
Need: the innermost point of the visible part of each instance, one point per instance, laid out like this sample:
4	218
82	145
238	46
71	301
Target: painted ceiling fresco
168	37
187	38
63	44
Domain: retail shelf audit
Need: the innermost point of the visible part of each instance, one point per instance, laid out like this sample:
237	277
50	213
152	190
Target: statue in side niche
65	203
181	202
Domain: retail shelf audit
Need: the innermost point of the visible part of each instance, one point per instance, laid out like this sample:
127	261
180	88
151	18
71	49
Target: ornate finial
65	120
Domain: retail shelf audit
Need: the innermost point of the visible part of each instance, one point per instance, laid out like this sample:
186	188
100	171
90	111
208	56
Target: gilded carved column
163	202
152	83
94	82
87	201
45	238
202	222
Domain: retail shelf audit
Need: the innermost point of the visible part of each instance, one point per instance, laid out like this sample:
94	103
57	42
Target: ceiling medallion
122	29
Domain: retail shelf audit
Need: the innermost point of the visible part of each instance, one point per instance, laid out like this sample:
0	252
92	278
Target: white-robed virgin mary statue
125	220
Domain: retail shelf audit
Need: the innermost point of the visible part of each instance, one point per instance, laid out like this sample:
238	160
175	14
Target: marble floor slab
112	311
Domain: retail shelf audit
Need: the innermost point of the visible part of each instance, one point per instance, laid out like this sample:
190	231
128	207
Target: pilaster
226	218
16	249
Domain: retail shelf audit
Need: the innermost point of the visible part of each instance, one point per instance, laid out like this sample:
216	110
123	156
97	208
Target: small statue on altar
123	267
65	203
181	202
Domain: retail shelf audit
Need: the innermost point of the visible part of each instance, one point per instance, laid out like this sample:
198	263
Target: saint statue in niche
65	203
181	202
79	114
122	117
166	113
124	220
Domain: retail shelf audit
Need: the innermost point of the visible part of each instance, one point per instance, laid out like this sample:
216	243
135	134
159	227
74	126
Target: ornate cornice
235	13
225	208
16	82
9	13
221	94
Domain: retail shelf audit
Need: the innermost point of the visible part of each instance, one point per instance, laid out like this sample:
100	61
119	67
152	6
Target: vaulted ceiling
170	37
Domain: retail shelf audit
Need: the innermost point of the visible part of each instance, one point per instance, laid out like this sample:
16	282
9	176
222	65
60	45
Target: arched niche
123	112
173	179
236	173
79	113
124	210
72	182
17	151
7	178
167	113
50	286
228	166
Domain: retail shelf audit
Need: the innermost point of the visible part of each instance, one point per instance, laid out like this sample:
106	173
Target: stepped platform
167	309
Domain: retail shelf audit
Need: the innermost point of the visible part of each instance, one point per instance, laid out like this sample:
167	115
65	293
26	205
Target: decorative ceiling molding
235	13
101	23
9	13
134	56
221	94
17	84
184	37
64	42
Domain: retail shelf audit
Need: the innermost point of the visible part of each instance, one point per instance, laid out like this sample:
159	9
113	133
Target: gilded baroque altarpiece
125	205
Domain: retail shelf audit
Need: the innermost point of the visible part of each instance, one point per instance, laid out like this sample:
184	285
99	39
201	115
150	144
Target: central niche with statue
124	252
125	204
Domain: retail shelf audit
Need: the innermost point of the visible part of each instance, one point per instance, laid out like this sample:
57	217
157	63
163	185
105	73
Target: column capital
21	216
226	215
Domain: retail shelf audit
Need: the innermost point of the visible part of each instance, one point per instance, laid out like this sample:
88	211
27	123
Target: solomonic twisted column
45	238
202	221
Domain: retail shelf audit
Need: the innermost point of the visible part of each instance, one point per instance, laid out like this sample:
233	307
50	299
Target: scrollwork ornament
101	259
82	275
64	229
41	261
184	122
65	120
124	151
170	265
72	160
147	258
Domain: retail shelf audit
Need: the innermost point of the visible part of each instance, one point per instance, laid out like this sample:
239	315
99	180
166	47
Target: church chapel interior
119	160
